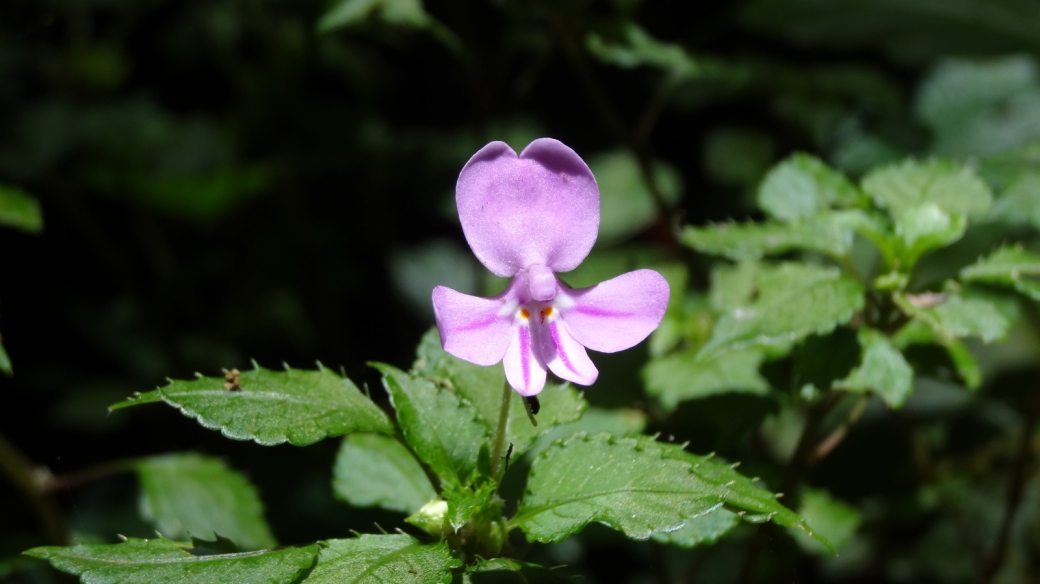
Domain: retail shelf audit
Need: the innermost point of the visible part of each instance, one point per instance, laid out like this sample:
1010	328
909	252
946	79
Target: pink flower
529	217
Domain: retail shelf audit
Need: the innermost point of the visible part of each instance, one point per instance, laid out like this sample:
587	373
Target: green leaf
833	518
795	300
627	205
640	49
830	234
683	376
481	387
191	495
952	316
635	485
464	502
1008	266
733	286
376	470
883	370
918	332
802	185
137	399
1020	203
981	107
19	210
151	561
619	422
271	407
510	571
924	228
737	156
350	12
5	361
701	530
951	186
381	559
441	428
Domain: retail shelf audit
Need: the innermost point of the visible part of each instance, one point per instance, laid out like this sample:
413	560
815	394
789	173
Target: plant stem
500	432
30	480
1015	490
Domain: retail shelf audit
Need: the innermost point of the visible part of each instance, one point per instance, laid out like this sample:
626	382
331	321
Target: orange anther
525	313
546	312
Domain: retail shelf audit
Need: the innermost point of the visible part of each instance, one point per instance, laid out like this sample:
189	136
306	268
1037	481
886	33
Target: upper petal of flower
477	329
541	207
617	314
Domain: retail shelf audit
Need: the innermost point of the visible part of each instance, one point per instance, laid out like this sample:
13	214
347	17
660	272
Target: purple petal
617	314
541	207
473	328
562	353
525	369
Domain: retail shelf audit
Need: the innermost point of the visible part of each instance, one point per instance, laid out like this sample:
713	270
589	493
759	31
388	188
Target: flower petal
564	355
473	328
525	369
541	207
617	314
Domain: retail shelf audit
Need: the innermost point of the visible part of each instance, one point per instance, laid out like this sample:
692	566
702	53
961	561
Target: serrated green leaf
733	286
464	502
376	470
951	186
802	185
635	485
952	316
1008	266
144	561
828	233
924	228
148	397
795	301
441	428
701	530
510	571
683	376
272	407
19	210
834	519
619	422
192	495
383	559
883	370
481	387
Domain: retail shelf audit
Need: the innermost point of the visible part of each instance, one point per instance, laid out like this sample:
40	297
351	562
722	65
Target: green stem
500	432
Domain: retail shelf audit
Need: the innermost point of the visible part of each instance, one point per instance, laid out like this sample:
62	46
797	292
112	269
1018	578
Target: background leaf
883	370
836	520
372	559
19	210
157	561
377	470
510	571
191	495
802	186
683	375
441	428
830	234
795	301
1008	266
949	185
294	406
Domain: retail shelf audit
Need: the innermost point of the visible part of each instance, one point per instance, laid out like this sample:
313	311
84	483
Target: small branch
500	432
1015	489
828	444
800	461
30	480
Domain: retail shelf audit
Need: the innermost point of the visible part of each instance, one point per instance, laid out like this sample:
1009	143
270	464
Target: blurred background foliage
188	184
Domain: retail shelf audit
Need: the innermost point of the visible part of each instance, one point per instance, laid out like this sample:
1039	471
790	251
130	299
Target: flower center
543	283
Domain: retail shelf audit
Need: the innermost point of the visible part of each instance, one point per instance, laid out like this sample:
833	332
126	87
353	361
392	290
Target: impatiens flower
529	217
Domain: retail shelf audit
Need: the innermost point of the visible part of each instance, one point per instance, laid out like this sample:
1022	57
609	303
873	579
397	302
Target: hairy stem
500	432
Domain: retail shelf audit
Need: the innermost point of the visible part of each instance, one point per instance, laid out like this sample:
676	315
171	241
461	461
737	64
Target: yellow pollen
525	313
546	312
